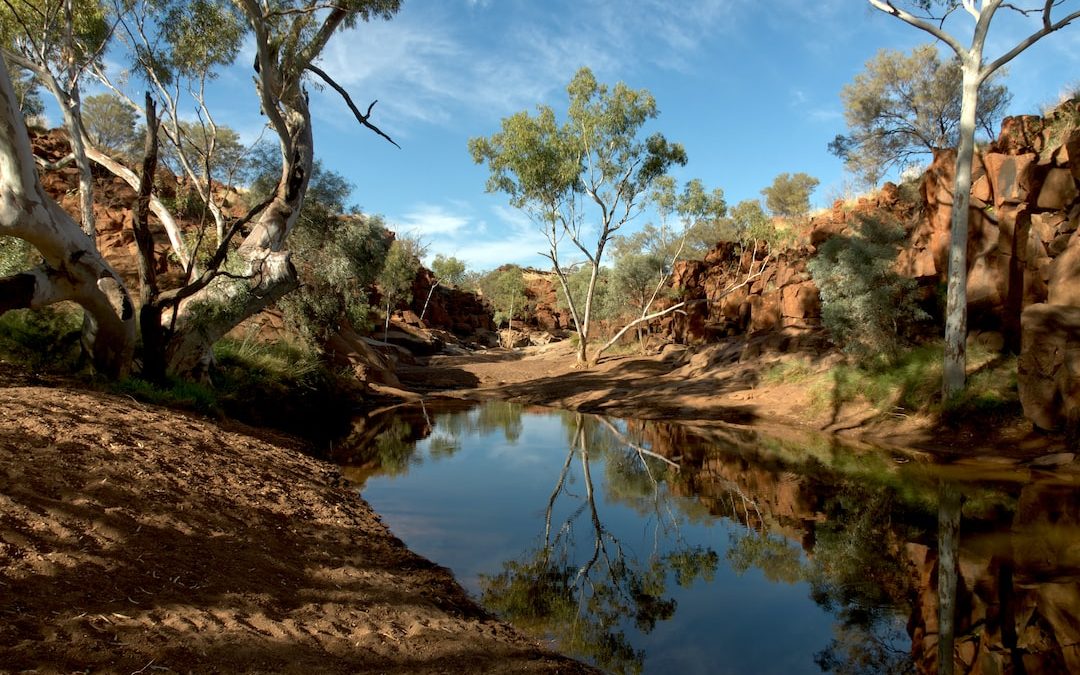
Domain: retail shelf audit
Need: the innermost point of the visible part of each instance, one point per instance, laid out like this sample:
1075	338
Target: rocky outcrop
1023	250
1048	373
450	309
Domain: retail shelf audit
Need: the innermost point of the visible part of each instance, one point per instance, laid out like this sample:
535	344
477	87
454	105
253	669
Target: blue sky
750	87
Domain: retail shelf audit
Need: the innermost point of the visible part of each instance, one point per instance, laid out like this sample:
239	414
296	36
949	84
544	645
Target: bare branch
889	8
362	118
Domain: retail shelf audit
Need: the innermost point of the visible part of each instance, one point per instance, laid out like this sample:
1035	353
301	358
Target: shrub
42	339
866	306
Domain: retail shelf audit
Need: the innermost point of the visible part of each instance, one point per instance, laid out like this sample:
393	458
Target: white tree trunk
73	268
955	363
268	274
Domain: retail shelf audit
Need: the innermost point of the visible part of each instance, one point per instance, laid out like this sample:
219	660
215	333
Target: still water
652	547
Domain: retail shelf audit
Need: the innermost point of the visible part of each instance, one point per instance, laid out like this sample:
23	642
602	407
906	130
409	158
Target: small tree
905	106
595	160
110	123
789	195
449	271
505	290
396	278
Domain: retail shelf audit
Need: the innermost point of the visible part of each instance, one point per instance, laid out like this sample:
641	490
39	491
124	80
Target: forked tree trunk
73	269
267	272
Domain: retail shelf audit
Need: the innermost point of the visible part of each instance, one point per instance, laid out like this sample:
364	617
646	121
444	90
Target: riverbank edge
135	535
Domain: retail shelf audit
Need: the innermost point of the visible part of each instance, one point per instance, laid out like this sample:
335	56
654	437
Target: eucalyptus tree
395	279
903	106
57	41
446	270
930	16
288	38
110	123
789	194
72	268
662	247
595	161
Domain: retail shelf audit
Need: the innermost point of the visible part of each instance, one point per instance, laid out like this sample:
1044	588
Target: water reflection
649	546
582	592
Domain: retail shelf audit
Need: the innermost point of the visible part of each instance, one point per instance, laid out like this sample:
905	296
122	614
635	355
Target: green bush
866	306
42	339
282	386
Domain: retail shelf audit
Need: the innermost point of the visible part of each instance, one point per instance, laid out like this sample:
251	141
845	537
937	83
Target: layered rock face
1023	252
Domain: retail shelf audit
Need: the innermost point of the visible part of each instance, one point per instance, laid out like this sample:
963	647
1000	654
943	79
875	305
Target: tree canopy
905	106
789	195
584	179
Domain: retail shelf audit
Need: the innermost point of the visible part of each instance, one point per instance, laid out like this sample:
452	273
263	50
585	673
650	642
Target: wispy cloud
505	236
428	220
434	67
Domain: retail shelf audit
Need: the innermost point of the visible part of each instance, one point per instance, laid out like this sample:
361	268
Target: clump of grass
788	371
282	385
175	393
911	383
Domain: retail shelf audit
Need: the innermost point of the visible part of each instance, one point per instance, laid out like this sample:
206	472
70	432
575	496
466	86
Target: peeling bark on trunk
73	268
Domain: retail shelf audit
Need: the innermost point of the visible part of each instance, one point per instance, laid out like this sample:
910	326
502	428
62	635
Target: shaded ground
136	539
711	385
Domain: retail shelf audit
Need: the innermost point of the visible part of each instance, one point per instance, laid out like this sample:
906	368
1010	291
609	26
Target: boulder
1048	374
1058	190
1064	281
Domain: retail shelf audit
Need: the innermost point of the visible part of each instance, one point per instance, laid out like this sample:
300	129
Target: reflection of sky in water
485	504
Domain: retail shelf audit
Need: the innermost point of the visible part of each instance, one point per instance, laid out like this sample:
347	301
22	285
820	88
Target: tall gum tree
72	268
288	36
975	70
595	163
57	41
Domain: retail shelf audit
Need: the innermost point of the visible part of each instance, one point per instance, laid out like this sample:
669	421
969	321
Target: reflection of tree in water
855	571
583	596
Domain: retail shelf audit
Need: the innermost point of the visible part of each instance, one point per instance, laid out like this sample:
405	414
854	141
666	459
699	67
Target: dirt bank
137	539
711	385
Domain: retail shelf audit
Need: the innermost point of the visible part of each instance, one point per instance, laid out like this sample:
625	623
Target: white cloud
433	67
428	221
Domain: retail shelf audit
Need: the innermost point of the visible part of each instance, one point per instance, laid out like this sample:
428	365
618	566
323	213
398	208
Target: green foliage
866	306
42	339
110	122
449	271
37	30
504	288
16	255
905	106
201	34
789	195
398	272
337	258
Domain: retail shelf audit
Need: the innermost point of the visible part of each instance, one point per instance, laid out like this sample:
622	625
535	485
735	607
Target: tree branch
362	118
889	8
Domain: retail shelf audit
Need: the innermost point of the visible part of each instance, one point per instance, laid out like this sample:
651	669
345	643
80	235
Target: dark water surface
646	546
